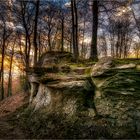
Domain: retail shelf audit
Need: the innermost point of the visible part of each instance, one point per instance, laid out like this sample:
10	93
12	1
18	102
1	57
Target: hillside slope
8	115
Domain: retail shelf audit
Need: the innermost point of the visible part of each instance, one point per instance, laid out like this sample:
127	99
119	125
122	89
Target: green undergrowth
127	61
85	63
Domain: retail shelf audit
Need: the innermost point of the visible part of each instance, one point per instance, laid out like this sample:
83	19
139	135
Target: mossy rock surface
124	83
117	99
113	94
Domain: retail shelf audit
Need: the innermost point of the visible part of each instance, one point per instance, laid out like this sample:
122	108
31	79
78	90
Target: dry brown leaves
11	104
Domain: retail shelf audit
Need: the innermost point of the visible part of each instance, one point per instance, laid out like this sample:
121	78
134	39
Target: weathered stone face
43	97
68	97
68	94
117	98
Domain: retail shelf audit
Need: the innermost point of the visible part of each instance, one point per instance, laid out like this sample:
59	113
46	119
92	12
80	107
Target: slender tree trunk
27	36
83	45
35	32
74	29
62	35
2	67
39	50
137	54
118	44
105	46
2	71
26	53
49	41
121	44
26	56
71	43
54	39
10	73
112	46
95	12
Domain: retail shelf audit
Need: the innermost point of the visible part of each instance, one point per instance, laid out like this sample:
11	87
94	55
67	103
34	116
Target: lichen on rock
117	98
108	98
68	93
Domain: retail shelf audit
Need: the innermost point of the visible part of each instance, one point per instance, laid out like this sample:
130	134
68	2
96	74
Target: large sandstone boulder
117	98
109	98
69	97
60	92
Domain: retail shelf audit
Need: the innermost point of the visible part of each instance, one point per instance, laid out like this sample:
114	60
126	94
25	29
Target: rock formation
56	88
117	97
110	94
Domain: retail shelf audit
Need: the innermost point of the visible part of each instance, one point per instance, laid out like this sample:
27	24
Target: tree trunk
112	46
83	44
62	34
74	29
49	41
2	72
95	12
10	73
35	32
2	66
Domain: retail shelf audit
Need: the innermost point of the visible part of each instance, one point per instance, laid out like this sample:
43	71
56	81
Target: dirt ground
8	129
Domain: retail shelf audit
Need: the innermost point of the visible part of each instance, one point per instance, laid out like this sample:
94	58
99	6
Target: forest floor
8	115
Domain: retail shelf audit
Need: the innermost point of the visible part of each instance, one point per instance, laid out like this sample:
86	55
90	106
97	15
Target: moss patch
127	61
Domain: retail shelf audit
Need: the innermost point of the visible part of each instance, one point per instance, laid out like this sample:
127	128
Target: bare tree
95	13
37	3
137	49
5	35
74	29
9	92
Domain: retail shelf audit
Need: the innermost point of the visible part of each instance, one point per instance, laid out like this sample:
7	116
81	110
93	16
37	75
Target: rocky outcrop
117	98
109	98
68	95
58	91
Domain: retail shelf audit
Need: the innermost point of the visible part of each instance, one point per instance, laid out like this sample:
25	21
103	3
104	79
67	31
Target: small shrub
24	83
